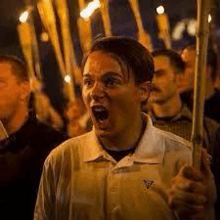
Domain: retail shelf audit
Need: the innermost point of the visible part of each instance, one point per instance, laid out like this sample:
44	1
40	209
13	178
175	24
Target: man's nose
97	91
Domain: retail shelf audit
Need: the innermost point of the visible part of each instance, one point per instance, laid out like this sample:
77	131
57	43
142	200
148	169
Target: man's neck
127	140
14	123
169	108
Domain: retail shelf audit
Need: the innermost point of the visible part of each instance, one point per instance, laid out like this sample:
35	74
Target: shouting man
124	168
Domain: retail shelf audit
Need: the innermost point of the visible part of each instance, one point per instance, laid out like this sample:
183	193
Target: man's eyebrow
86	75
159	71
113	74
106	74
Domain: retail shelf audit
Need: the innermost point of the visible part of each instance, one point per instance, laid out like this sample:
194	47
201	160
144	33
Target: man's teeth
99	109
100	113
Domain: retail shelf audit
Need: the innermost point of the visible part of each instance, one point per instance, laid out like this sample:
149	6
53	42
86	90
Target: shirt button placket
113	188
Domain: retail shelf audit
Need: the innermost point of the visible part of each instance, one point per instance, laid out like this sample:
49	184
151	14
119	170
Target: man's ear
25	90
180	78
144	89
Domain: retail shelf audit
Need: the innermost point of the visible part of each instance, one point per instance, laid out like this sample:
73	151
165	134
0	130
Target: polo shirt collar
151	146
93	149
149	150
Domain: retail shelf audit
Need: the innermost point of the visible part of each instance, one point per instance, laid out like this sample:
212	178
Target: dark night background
122	24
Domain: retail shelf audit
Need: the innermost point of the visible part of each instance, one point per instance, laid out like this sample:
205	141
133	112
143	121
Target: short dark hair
212	60
128	51
19	67
175	59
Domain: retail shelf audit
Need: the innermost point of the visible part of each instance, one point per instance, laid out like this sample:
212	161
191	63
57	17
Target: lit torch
69	53
84	23
202	36
47	15
105	17
48	18
143	36
25	37
163	26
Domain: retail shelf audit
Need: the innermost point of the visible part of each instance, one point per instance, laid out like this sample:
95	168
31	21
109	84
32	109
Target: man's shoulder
73	146
176	151
46	129
43	137
214	98
211	124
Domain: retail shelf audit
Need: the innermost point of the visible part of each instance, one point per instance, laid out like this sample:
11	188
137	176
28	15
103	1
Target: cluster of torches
63	44
67	61
65	53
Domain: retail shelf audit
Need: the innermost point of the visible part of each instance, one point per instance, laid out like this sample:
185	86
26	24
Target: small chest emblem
148	183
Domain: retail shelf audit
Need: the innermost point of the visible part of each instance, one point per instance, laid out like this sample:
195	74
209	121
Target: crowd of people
125	152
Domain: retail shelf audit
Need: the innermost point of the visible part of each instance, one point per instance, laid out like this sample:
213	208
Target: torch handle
105	17
203	8
136	11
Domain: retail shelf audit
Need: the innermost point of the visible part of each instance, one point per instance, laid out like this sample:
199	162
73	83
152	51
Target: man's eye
87	82
111	82
159	73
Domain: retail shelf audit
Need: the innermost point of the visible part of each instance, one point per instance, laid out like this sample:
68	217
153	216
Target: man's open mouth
100	113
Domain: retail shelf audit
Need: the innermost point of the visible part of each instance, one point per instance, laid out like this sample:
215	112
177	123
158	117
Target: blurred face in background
164	81
13	93
189	57
111	96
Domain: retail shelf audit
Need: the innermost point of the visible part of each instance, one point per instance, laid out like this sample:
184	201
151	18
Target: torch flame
91	7
24	16
160	10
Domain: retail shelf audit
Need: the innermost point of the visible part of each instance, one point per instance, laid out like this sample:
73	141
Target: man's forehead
99	62
5	64
93	62
5	68
98	58
7	71
161	61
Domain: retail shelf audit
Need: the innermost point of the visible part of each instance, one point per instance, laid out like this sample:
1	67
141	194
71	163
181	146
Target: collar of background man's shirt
185	114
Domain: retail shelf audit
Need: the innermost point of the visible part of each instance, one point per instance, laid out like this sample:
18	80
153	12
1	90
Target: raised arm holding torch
163	26
196	182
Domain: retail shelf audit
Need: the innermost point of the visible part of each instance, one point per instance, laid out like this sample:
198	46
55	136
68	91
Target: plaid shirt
181	125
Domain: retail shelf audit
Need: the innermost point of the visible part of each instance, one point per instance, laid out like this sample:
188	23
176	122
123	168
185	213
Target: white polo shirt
82	181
